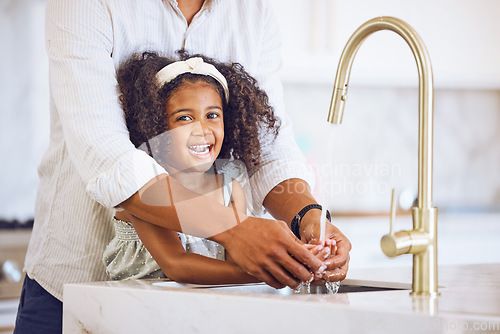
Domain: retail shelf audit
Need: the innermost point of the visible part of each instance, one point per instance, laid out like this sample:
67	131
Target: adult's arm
80	47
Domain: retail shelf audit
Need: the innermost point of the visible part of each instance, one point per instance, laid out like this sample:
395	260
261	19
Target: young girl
186	114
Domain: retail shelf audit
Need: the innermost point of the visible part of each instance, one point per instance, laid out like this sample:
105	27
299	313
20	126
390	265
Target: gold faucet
422	240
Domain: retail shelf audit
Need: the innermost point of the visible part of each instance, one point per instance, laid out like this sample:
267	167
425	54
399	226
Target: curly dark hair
247	114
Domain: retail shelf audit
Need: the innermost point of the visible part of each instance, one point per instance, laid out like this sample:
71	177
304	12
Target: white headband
194	65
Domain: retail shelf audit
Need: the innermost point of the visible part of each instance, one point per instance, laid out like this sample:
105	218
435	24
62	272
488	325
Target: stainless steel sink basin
313	289
347	286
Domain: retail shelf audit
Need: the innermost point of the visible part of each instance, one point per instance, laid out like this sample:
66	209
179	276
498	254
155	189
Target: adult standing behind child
92	167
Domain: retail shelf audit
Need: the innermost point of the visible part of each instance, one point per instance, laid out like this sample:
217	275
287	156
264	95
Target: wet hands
268	250
322	250
336	245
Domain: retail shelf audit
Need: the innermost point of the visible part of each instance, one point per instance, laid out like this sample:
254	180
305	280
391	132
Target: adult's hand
269	251
287	199
338	264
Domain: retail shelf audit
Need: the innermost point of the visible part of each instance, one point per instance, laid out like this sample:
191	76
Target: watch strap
295	224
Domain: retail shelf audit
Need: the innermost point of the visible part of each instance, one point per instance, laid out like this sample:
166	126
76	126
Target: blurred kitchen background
375	149
356	163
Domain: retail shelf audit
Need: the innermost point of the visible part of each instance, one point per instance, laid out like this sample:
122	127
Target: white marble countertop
469	303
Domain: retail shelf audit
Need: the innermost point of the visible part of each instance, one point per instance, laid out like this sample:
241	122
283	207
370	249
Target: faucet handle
394	244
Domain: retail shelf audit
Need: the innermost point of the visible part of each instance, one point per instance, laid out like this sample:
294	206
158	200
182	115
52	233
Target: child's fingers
324	243
322	250
314	249
332	245
308	246
330	242
324	253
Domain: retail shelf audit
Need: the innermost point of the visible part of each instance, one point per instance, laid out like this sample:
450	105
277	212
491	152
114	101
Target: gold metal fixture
422	240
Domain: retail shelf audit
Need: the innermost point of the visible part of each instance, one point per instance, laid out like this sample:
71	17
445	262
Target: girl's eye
183	118
212	115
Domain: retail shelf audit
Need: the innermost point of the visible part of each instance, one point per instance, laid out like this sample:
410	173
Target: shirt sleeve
282	159
79	43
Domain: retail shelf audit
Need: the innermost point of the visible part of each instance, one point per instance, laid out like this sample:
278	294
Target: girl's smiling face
195	126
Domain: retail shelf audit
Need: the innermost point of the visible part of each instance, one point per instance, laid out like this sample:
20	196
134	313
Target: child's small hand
322	251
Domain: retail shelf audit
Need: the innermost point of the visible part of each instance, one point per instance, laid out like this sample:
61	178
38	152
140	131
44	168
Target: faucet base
425	269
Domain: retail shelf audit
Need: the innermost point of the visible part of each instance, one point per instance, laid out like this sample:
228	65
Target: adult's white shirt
91	166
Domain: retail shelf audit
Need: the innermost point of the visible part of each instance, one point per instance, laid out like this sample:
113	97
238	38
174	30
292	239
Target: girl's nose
201	128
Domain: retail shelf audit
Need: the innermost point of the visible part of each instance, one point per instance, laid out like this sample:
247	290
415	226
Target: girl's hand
338	263
322	251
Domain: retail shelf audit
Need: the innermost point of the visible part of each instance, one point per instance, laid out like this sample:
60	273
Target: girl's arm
239	203
265	248
167	250
238	197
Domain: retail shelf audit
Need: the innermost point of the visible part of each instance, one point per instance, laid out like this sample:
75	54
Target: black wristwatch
295	225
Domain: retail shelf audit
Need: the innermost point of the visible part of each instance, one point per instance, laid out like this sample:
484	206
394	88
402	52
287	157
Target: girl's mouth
200	151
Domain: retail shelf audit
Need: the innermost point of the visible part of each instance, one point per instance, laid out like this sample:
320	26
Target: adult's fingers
341	255
283	276
284	265
272	273
262	248
306	258
337	274
269	279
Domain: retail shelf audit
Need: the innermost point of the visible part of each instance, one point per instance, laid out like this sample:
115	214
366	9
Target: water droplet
332	287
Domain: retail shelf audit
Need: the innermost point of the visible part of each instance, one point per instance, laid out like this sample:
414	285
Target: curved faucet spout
424	234
425	91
